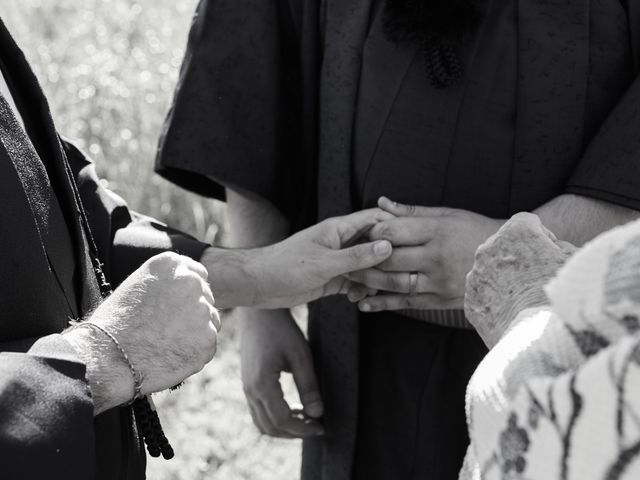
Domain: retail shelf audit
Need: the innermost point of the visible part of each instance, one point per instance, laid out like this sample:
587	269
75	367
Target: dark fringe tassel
151	429
442	63
437	26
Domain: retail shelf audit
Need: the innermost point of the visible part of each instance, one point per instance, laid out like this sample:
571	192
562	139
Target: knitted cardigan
559	395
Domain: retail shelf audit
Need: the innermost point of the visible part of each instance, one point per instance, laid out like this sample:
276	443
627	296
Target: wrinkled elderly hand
435	244
511	268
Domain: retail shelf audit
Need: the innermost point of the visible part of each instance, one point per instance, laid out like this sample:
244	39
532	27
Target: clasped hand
435	246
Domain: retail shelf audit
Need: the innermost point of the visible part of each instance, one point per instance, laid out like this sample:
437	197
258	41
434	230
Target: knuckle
359	252
394	283
191	282
471	279
483	248
215	319
386	232
407	302
168	258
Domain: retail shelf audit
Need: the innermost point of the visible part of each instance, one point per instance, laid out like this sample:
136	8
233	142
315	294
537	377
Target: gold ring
413	283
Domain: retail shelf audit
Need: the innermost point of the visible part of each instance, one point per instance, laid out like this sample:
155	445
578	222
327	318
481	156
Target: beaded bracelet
137	376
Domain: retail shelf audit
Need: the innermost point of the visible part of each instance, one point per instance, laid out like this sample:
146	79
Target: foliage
109	68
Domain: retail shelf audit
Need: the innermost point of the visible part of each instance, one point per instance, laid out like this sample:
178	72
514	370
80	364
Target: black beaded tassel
437	26
151	429
442	63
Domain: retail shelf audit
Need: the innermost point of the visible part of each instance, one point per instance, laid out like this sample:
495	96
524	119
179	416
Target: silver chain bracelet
137	376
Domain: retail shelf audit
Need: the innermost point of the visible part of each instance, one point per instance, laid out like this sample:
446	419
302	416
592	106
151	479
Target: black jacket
47	428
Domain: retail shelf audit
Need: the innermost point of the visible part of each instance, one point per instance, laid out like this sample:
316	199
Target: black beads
151	430
442	63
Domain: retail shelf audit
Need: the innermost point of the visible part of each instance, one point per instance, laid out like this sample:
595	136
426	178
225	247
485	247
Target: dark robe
47	428
308	104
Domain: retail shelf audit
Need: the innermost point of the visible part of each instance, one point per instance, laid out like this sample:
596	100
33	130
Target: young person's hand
433	250
306	266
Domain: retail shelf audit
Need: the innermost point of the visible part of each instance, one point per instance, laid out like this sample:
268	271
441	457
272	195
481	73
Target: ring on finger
413	283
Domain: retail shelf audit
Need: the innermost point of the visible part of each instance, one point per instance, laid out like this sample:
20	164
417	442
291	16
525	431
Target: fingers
209	302
266	422
276	419
259	417
353	226
304	377
408	259
213	313
360	257
401	210
404	231
390	282
397	209
359	292
424	301
181	264
198	268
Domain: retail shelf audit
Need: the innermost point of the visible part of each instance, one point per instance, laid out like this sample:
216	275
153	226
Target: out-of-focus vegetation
109	68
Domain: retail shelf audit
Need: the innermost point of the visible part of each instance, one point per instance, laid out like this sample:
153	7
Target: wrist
233	276
107	373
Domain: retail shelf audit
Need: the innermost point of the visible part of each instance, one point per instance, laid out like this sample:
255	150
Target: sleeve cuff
607	196
134	245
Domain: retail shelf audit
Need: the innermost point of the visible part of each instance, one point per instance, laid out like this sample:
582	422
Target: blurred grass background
109	68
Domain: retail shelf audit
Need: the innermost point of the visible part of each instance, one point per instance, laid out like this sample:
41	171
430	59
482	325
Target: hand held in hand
433	250
312	263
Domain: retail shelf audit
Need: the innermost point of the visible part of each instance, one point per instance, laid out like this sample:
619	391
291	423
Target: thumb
305	379
360	257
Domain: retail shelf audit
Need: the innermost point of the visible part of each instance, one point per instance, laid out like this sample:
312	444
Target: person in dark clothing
471	110
66	242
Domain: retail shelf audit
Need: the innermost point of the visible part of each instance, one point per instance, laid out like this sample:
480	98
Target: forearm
235	274
109	377
577	219
254	222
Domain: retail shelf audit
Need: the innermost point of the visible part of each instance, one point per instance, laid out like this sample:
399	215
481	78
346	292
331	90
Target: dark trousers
413	377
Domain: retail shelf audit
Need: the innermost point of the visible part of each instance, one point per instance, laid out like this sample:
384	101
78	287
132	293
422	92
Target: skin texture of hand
510	270
308	265
163	315
438	244
271	343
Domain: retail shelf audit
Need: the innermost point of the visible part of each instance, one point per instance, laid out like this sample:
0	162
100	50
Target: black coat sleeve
610	167
236	115
46	411
125	239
